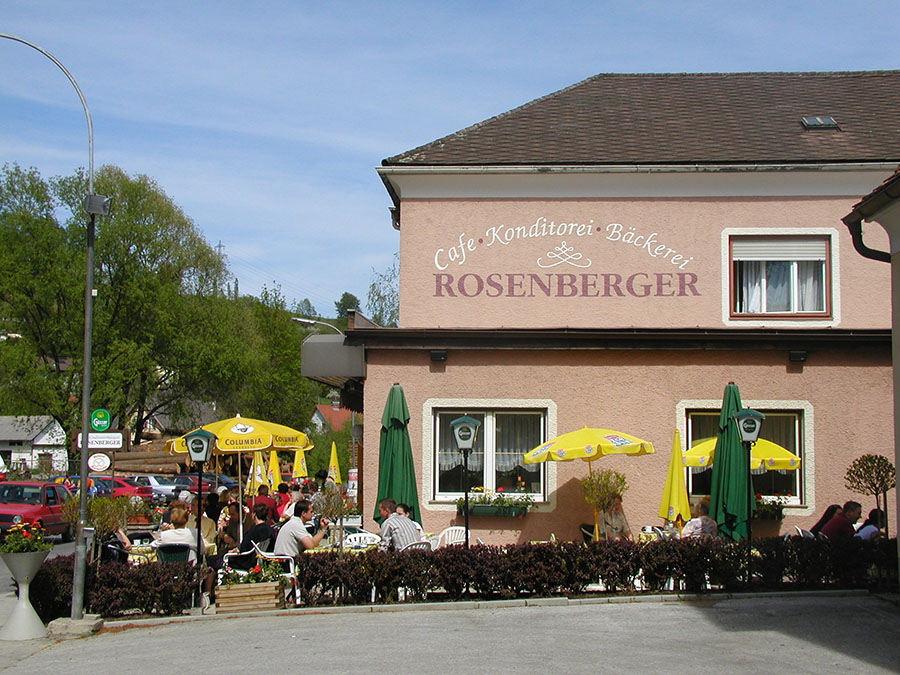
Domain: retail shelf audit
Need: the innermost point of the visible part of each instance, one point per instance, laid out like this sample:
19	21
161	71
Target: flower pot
23	623
250	597
763	528
491	510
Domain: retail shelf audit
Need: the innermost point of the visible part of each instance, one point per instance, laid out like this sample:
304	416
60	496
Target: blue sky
265	120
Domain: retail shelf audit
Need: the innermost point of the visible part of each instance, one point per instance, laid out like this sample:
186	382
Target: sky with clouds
264	120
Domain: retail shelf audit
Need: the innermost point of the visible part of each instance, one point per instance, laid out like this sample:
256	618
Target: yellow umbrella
675	500
245	434
334	471
274	472
764	456
300	464
258	474
588	444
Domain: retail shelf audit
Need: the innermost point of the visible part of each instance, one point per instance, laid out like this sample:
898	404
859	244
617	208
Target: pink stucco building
612	255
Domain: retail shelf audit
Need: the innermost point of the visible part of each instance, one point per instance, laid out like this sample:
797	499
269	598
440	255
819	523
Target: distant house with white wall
37	443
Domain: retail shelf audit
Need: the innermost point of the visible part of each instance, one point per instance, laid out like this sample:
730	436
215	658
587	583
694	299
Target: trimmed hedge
113	589
492	572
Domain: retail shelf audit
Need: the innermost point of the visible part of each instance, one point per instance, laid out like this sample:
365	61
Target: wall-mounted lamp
797	356
438	355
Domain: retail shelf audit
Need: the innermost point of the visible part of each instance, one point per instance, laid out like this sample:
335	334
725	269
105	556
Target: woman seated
830	512
179	534
870	530
701	525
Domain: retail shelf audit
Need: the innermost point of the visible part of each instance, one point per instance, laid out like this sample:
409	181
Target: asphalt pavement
797	633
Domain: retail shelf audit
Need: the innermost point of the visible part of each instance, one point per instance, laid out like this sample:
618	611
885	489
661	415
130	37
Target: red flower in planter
26	534
256	570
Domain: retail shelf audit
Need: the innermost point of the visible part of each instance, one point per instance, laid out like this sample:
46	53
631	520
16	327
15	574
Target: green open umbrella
396	473
730	501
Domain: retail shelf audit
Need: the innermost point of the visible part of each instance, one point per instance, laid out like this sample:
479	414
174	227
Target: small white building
34	442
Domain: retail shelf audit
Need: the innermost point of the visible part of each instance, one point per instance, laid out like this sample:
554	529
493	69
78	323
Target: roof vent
821	122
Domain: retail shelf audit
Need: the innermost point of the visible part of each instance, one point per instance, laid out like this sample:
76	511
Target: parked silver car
164	487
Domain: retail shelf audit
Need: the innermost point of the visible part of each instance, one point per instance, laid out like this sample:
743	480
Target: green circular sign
100	420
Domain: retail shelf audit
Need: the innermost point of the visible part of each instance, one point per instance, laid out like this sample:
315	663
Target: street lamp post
95	205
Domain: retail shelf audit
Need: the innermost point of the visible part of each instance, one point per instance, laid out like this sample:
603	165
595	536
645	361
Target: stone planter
490	510
250	597
23	623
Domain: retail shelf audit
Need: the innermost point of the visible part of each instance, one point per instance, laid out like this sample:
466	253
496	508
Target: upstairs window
781	276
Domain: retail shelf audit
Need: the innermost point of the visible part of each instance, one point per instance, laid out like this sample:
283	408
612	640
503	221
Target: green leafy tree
318	457
271	387
383	300
347	302
305	308
162	334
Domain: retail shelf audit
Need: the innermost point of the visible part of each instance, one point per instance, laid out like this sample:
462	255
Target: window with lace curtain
781	276
784	427
496	460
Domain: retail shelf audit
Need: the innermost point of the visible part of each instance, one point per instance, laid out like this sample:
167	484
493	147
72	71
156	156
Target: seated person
701	525
179	534
295	496
293	537
396	531
262	497
870	530
828	515
614	526
404	510
260	534
230	533
840	527
207	525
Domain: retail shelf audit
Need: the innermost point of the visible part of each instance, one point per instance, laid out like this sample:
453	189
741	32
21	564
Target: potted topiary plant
601	488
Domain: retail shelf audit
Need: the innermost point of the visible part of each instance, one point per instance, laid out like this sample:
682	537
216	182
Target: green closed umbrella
396	473
730	499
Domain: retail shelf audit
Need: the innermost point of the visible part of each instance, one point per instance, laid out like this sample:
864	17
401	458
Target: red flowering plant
479	495
25	538
262	572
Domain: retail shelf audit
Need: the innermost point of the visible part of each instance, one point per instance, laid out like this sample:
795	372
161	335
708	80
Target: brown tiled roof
710	118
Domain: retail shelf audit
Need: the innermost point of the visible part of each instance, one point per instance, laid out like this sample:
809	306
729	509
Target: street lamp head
315	322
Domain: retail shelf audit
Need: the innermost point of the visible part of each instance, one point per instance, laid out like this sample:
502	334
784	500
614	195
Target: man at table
840	527
262	497
293	537
396	531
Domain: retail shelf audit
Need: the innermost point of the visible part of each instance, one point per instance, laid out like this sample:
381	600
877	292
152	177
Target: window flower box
491	510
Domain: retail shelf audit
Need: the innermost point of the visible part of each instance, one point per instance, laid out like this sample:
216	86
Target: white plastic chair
417	546
455	534
361	539
806	534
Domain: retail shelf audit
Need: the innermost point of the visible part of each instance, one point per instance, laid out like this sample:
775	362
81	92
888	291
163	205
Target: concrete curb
463	605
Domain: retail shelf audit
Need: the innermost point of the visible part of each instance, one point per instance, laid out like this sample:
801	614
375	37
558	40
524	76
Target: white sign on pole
107	441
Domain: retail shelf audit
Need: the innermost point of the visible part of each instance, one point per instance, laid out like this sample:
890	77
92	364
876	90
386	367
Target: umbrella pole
596	514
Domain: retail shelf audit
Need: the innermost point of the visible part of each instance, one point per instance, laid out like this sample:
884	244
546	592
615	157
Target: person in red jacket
840	527
262	497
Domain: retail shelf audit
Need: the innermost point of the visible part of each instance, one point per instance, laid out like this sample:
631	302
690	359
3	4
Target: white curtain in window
778	286
751	287
516	434
810	274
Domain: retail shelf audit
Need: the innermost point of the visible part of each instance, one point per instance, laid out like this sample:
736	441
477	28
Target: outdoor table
347	549
138	555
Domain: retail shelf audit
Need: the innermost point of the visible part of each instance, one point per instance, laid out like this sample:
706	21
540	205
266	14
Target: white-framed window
784	427
787	276
496	460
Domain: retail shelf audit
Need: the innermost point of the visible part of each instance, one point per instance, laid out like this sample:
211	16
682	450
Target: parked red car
188	482
125	487
35	502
